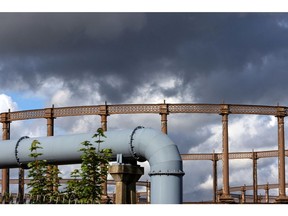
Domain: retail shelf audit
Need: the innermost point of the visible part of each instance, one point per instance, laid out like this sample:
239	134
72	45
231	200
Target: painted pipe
140	144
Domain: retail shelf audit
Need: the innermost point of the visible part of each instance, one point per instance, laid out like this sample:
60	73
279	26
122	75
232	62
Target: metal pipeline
140	144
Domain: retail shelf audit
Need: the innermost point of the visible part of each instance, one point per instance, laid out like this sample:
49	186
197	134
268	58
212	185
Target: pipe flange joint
16	153
167	173
132	150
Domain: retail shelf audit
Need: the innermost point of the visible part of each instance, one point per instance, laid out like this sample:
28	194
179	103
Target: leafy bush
86	183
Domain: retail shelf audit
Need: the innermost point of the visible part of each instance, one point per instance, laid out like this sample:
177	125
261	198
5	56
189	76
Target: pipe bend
160	151
165	165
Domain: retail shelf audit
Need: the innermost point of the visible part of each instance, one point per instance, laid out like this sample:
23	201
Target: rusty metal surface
76	111
197	156
133	108
250	187
194	108
148	108
253	109
27	114
232	155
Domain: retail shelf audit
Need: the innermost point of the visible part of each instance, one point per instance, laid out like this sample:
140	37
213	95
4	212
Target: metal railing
146	108
232	155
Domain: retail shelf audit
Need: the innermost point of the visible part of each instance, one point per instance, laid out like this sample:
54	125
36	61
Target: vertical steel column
21	185
219	193
267	193
164	113
243	194
49	115
225	198
138	198
255	181
215	185
104	114
5	136
148	191
282	198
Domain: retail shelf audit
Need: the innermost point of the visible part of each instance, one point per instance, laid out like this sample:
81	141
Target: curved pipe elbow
165	165
158	149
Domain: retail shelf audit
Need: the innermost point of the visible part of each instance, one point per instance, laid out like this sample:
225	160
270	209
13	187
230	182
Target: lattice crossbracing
147	108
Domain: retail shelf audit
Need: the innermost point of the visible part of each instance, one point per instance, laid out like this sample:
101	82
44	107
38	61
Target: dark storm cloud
231	56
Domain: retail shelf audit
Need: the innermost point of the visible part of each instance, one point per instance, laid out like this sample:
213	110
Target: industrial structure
174	173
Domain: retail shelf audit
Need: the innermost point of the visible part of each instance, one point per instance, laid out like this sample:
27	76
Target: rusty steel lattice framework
254	156
164	110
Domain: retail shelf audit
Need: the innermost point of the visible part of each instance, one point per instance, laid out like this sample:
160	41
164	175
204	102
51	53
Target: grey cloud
209	51
39	33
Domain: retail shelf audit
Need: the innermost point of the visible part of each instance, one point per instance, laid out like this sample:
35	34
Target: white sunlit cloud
214	142
245	133
85	124
153	91
207	184
61	97
53	90
252	132
37	98
7	103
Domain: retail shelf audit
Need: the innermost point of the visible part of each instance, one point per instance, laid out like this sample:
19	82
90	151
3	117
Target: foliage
86	183
85	186
44	178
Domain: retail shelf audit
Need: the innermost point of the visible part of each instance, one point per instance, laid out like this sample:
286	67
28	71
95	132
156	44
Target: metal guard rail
144	108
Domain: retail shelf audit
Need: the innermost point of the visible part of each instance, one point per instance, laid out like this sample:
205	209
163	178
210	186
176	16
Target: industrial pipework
140	144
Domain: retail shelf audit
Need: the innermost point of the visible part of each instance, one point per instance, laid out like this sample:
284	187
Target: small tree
37	172
43	180
86	185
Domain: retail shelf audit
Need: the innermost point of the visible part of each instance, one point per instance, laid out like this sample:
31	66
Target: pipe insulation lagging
140	144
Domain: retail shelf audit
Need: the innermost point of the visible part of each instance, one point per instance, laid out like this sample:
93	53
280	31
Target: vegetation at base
85	185
44	178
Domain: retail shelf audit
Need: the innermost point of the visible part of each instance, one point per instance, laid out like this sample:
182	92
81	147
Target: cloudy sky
71	59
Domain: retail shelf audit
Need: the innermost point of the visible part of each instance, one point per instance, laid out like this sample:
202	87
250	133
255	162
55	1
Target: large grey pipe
141	144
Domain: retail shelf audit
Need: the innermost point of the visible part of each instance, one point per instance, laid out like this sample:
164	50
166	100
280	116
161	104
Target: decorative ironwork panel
251	109
27	114
232	155
134	108
197	156
194	108
266	154
240	155
147	108
250	187
76	111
